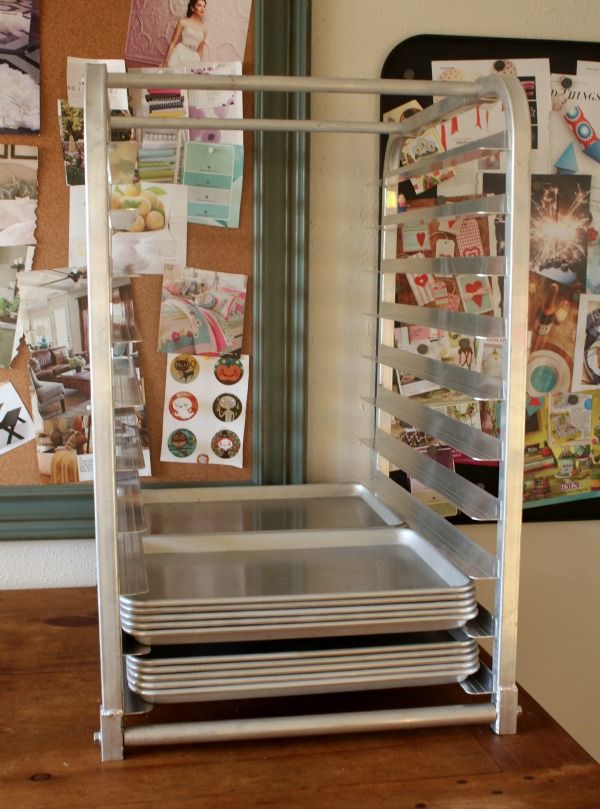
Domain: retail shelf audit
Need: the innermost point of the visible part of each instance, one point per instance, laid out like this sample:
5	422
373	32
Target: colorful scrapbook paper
19	66
468	240
449	347
16	426
205	409
201	311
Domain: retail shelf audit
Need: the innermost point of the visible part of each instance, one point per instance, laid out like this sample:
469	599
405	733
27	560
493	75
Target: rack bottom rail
308	725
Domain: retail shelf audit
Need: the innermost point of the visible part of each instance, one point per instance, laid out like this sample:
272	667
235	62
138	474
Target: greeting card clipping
205	409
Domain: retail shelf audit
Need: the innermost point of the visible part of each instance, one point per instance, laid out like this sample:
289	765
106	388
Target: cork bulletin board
99	31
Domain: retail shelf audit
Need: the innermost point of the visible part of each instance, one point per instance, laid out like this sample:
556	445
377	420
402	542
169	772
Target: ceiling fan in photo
18	264
74	274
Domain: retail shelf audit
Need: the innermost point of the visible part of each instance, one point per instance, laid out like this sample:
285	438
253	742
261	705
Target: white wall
51	563
558	649
559	642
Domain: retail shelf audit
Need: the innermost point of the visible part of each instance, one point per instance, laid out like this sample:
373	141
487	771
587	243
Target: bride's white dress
185	53
19	100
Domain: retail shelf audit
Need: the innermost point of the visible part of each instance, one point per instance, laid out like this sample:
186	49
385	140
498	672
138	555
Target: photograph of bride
185	34
187	42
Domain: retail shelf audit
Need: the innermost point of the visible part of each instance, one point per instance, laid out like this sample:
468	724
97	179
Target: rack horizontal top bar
454	98
254	124
298	84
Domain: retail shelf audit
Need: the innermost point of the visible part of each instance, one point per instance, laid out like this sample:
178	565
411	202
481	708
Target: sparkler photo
560	218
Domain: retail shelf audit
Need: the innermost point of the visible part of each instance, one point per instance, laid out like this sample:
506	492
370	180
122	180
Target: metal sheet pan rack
278	590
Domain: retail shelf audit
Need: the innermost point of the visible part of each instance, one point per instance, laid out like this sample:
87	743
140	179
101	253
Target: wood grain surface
49	687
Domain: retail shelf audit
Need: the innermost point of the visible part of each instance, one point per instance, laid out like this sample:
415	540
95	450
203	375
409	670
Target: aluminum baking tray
248	619
175	608
428	643
295	686
323	665
307	629
192	571
260	615
265	508
304	673
310	665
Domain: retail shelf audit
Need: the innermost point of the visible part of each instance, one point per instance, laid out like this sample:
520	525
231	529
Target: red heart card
473	290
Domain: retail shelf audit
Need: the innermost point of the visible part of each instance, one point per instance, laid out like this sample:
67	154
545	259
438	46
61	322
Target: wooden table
77	380
49	691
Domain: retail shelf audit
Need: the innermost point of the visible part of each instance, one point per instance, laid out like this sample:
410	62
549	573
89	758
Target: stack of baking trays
283	668
293	612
